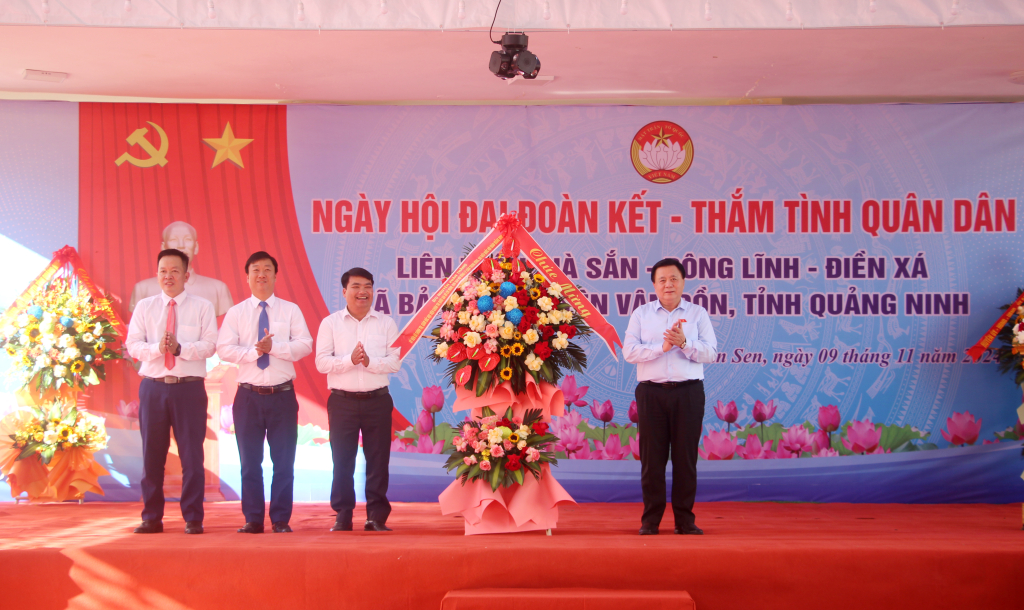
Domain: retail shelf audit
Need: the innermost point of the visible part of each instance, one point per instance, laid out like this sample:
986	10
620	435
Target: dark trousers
180	407
346	418
274	417
670	421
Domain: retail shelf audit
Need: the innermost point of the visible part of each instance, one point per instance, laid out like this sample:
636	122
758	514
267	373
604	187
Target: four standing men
174	332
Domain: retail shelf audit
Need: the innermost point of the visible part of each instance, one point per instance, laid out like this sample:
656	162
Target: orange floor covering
754	555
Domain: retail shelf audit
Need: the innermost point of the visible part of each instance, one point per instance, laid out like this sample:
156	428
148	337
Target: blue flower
485	304
36	312
66	321
515	316
88	358
507	289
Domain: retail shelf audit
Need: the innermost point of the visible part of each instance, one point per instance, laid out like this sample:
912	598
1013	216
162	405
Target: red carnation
521	297
532	314
540	428
554	303
512	462
524	325
504	421
547	332
568	329
543	350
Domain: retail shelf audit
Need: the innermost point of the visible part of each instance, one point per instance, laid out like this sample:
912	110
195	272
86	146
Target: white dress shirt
238	335
338	335
196	332
213	290
645	335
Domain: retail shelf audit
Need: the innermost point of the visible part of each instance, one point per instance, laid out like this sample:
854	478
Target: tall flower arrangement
499	450
61	338
505	322
57	428
1011	353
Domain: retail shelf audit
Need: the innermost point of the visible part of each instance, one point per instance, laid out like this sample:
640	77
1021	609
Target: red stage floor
754	555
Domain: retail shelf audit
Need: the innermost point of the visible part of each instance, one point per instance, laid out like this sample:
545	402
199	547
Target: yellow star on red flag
228	147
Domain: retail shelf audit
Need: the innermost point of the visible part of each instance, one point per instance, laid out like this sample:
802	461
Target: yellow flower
486	453
535	293
99	348
506	373
39	437
517	349
513	437
538	278
78	366
11	351
506	351
517	335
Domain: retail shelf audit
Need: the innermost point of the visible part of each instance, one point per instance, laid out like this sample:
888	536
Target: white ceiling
642	67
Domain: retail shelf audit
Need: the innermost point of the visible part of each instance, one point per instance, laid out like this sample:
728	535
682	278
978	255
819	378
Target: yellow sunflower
517	349
78	366
538	278
514	438
506	351
535	293
517	336
99	348
11	351
506	373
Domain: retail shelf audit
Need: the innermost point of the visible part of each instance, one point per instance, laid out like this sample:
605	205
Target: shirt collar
271	301
178	300
683	303
346	314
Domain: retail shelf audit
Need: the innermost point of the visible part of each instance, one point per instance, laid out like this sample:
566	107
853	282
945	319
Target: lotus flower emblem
662	155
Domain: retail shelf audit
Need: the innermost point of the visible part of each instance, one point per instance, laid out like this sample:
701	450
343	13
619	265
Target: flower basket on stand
506	336
61	333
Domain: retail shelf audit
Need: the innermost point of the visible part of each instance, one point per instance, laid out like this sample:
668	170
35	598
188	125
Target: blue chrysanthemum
515	316
66	321
507	289
485	304
36	312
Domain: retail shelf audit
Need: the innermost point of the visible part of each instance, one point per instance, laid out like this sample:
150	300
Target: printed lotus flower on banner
62	338
498	450
505	322
662	155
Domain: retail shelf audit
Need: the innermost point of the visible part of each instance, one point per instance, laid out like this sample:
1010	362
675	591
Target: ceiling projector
513	59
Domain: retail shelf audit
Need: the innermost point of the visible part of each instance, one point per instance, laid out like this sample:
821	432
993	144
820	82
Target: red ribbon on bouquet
987	339
511	236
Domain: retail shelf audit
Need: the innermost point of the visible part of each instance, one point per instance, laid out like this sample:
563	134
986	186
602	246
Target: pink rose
448	317
497	451
468	431
499	302
491	346
485	465
469	460
472	308
498	276
492	331
507	444
532	455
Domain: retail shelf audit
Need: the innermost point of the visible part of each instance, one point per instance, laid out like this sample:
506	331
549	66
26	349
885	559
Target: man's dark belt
172	379
268	389
361	395
672	384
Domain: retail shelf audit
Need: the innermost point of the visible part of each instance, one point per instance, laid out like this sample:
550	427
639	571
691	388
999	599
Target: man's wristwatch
683	346
177	351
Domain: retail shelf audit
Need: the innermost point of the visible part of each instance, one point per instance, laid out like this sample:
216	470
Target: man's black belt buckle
173	379
672	384
267	389
361	395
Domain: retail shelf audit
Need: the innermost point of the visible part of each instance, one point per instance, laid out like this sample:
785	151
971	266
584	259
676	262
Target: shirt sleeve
634	350
390	362
298	344
206	346
228	347
326	360
136	341
704	349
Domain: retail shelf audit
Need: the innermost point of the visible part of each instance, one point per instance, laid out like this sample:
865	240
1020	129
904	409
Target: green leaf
771	433
495	476
28	450
518	476
71	417
508	414
896	436
463	469
90	378
547	373
483	381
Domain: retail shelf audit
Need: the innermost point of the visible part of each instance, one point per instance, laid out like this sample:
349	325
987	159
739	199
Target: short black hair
355	272
668	262
260	256
173	252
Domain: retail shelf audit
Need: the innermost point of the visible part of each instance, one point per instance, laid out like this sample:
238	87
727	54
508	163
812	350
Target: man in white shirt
264	335
182	236
172	334
669	340
353	347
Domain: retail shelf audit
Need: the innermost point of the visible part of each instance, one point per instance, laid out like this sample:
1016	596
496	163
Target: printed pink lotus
754	450
795	440
612	449
718	445
572	394
962	429
828	418
862	437
727	413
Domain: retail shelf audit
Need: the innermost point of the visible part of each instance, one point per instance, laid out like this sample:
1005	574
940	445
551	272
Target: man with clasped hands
669	341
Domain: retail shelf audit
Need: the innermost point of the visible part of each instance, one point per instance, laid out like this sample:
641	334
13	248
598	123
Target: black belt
172	379
267	389
672	384
361	395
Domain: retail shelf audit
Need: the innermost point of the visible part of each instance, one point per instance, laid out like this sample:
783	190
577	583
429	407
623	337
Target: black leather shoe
194	527
282	527
251	527
648	530
342	525
373	526
691	529
149	527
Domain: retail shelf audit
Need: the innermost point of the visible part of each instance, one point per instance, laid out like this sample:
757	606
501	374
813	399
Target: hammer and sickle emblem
156	156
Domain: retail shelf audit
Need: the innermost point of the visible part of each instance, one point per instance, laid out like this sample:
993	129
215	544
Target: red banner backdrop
223	169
